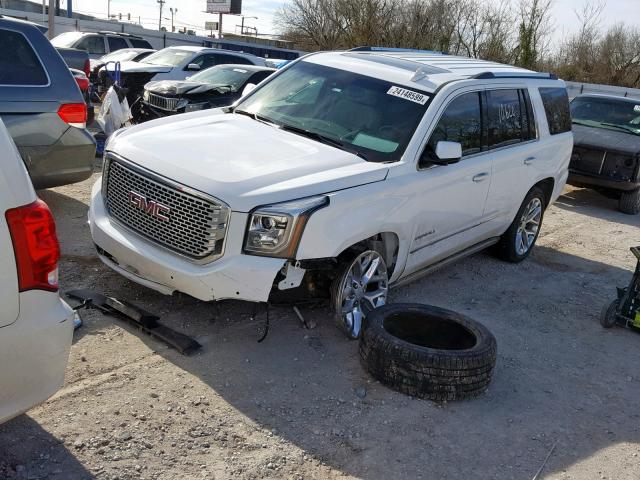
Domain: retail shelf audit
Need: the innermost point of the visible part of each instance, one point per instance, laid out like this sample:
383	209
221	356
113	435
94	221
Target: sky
190	13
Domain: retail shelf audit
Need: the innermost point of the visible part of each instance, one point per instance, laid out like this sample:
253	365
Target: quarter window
461	122
556	108
19	64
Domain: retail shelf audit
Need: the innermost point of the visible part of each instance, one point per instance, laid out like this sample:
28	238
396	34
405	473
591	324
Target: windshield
65	40
366	116
609	113
234	77
168	56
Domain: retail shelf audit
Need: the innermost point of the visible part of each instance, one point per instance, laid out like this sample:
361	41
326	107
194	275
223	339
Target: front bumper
585	180
235	275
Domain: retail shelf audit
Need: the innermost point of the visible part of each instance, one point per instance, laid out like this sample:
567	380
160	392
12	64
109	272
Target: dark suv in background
606	152
42	107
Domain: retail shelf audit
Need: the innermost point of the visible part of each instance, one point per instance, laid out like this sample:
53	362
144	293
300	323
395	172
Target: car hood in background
176	87
605	139
132	67
241	161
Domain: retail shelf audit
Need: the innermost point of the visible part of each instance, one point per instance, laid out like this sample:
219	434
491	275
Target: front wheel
361	286
630	202
609	314
517	242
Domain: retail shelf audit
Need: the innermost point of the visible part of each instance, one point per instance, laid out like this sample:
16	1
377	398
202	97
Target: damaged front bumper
234	276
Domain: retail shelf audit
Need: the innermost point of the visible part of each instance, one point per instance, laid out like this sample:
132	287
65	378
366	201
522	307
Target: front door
451	199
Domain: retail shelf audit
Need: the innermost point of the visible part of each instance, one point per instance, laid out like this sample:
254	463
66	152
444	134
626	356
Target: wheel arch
547	186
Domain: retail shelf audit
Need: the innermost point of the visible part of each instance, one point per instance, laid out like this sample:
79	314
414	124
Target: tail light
83	83
74	114
35	245
87	67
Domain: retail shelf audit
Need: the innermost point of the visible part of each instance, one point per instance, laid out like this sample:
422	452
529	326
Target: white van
36	326
340	175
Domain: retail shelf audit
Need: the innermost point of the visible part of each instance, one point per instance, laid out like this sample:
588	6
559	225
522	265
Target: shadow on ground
590	202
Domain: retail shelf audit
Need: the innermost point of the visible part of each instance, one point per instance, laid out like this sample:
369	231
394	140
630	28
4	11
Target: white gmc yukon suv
340	175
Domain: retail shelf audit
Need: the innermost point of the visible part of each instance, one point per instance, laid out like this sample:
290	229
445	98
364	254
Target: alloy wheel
529	226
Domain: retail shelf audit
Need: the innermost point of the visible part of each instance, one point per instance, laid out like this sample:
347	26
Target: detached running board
442	263
140	318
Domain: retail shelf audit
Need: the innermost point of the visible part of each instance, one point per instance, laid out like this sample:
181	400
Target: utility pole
108	9
161	3
52	18
174	11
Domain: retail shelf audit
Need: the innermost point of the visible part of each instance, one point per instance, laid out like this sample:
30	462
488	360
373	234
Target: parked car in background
218	86
606	152
98	44
85	87
341	174
77	59
172	63
124	55
43	108
36	327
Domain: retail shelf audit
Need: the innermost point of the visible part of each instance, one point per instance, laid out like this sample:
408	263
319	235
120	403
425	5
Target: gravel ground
299	405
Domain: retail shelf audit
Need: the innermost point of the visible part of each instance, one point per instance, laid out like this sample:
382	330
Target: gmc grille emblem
150	207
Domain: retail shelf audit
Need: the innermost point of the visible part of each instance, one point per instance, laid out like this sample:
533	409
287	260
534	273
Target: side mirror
248	89
193	67
448	152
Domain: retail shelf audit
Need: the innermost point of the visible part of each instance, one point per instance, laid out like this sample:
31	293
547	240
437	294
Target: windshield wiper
622	127
256	117
321	138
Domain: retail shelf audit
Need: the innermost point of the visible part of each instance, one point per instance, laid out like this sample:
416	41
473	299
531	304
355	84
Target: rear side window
117	43
509	117
461	122
19	64
556	107
235	60
138	43
93	44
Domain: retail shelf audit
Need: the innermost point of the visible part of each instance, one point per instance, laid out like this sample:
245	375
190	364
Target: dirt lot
299	405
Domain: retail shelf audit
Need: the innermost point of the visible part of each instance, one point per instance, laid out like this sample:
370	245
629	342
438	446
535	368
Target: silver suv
99	44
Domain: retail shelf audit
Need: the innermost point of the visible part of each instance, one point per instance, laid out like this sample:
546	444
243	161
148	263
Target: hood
243	162
605	139
131	67
177	87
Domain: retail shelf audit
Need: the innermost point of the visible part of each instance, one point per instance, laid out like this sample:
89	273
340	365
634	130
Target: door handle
480	177
529	160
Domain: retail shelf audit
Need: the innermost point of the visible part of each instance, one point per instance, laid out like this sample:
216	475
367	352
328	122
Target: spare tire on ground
428	352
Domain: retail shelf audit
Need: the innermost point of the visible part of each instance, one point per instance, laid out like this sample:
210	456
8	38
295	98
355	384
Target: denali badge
155	209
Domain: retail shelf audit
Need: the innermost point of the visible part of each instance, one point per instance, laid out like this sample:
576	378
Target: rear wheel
630	202
609	314
518	241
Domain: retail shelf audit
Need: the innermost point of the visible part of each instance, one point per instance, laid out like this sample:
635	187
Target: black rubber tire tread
505	248
629	202
426	372
608	315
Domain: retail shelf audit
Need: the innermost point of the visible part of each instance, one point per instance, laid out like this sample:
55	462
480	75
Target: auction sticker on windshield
408	95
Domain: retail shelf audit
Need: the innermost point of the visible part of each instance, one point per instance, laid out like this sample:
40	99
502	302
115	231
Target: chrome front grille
162	103
186	222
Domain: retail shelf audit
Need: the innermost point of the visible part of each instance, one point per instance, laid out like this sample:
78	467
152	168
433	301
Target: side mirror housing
193	67
448	152
250	87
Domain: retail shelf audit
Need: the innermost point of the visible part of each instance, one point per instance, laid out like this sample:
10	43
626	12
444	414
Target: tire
506	249
608	316
393	349
629	202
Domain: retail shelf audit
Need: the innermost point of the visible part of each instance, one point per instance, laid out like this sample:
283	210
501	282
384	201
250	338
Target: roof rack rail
540	75
121	34
392	49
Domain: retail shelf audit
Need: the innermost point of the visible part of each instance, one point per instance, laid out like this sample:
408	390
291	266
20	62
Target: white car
36	326
340	175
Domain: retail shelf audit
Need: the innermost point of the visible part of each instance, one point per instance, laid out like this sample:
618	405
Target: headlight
275	230
145	96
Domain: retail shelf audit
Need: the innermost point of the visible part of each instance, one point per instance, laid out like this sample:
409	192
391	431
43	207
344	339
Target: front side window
556	108
19	64
204	61
372	118
622	115
234	59
93	44
461	122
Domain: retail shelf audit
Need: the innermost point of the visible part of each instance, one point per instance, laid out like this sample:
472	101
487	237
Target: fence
576	88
